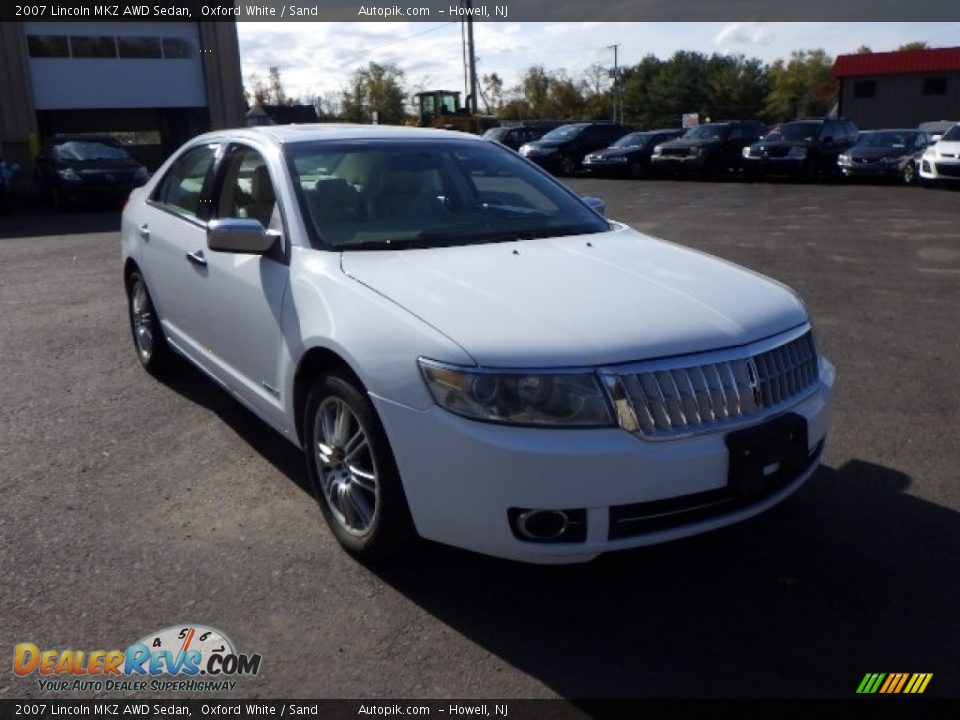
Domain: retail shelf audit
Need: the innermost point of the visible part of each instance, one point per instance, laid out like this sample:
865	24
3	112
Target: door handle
197	258
144	231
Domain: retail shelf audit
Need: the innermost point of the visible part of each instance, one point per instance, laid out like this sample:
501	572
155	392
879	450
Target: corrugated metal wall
899	101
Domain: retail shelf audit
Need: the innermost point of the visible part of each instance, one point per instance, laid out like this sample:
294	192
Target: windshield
708	132
632	140
375	195
89	150
952	135
887	140
807	131
497	133
564	132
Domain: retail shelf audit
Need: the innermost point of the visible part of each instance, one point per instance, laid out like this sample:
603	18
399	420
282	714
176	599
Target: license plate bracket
767	456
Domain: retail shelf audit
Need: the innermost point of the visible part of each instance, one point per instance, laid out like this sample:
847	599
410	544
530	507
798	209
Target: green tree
492	92
376	88
916	45
801	86
638	109
678	87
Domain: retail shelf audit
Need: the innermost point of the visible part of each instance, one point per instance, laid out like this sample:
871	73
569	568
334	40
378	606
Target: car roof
289	134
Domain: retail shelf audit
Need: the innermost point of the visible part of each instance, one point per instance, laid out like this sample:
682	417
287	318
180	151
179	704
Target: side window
738	133
182	186
247	190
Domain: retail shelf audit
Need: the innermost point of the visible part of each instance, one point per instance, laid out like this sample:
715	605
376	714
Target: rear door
171	227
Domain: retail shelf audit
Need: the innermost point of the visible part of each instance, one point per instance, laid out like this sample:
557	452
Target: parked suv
805	147
561	150
708	150
515	136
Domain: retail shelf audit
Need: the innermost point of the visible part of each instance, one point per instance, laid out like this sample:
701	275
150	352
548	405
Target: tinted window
138	47
182	186
564	132
632	140
710	131
865	89
48	46
93	47
952	135
176	48
376	195
80	150
935	85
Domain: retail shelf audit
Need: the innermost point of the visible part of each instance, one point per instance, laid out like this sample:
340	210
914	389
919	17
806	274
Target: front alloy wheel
352	471
909	174
148	339
568	166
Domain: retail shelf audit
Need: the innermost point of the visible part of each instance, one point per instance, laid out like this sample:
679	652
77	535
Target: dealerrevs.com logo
180	658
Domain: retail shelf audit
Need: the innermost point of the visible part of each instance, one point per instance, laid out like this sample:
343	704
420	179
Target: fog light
548	526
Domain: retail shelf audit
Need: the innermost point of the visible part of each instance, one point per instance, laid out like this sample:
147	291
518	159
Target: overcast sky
318	58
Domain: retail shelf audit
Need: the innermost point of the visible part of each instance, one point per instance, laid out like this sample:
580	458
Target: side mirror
596	204
239	235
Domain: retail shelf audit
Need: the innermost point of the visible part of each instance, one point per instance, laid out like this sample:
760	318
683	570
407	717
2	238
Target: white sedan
465	350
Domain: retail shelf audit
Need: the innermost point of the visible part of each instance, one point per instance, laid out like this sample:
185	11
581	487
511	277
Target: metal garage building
899	89
156	83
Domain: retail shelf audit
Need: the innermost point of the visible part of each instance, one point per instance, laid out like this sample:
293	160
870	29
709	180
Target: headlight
658	149
746	151
68	174
797	152
843	160
516	398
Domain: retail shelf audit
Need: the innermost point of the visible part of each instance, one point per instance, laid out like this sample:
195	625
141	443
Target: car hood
950	147
596	299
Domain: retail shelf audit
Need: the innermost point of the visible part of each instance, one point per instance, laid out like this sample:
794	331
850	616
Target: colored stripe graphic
894	683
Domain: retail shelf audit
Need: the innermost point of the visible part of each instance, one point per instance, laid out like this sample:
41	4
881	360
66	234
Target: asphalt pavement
130	505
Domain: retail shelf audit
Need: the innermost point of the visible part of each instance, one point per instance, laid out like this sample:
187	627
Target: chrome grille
663	403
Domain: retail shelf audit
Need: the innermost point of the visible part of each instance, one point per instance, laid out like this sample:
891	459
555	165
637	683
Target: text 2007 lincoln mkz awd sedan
467	351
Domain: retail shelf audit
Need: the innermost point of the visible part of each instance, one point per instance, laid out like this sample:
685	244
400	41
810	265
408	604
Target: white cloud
744	33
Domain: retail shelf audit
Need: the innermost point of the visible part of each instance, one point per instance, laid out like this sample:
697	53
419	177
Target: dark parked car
707	150
885	154
561	150
77	169
805	148
515	136
630	155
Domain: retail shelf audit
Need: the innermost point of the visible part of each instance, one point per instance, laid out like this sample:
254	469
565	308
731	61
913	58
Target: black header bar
483	10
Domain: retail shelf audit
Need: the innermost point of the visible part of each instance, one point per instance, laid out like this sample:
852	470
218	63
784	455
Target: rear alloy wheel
353	473
148	340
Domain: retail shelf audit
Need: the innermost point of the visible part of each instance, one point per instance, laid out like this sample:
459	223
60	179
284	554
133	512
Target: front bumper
792	166
679	163
550	163
888	171
606	167
940	169
461	477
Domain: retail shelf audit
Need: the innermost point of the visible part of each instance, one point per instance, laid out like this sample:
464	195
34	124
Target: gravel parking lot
131	505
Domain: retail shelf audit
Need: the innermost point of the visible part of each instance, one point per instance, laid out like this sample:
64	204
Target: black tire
908	176
636	170
568	166
369	533
151	346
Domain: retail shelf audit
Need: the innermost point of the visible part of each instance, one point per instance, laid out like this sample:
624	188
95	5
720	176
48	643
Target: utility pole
472	97
616	80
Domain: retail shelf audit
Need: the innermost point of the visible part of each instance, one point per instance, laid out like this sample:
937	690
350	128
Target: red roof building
899	89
